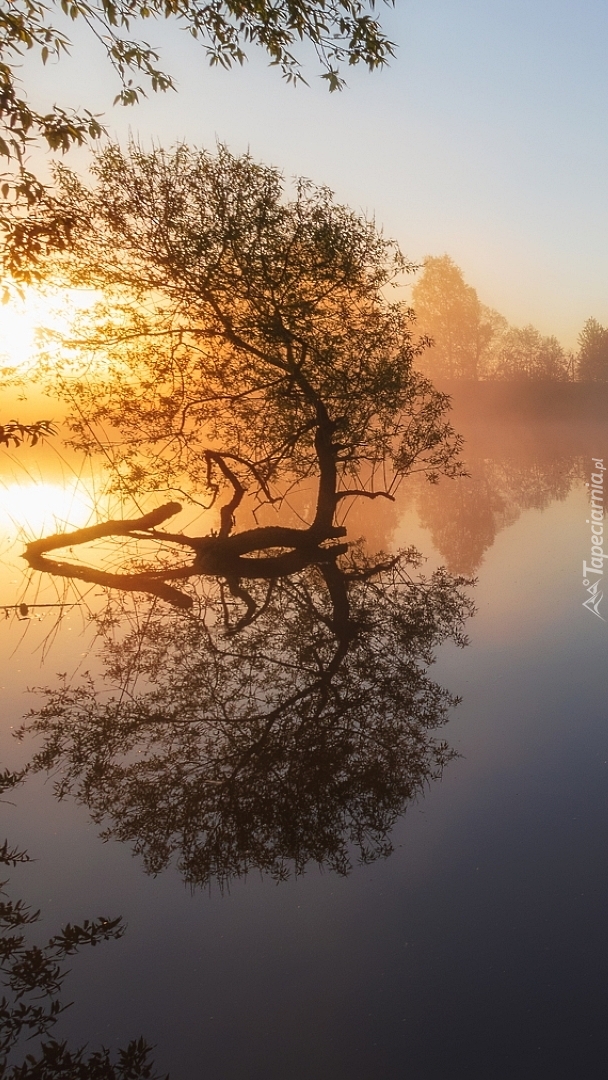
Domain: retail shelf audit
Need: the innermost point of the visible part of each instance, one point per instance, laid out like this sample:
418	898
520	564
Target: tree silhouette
248	346
524	355
274	687
471	341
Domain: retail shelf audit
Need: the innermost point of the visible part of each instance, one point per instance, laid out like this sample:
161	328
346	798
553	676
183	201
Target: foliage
471	341
244	324
14	432
8	781
57	1061
340	31
593	353
33	976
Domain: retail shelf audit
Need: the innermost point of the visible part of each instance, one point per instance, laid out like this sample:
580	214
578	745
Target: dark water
478	947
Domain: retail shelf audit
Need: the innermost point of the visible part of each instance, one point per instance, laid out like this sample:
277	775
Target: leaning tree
247	349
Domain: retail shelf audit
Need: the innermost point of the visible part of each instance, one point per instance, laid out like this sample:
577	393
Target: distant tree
495	328
525	355
449	312
592	363
340	31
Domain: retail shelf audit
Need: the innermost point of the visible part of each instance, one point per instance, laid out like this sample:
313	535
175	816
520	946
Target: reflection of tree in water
462	519
465	516
298	738
535	484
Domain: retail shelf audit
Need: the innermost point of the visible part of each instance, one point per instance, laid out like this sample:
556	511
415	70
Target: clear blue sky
487	139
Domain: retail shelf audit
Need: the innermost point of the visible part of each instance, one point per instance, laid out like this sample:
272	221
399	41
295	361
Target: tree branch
116	527
364	494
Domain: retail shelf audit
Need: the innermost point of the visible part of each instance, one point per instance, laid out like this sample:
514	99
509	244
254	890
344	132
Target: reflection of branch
342	625
144	583
365	574
240	593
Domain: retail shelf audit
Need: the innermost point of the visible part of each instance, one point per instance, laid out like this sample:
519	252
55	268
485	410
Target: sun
34	508
23	319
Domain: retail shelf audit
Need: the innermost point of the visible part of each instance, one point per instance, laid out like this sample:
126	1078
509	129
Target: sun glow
24	319
37	508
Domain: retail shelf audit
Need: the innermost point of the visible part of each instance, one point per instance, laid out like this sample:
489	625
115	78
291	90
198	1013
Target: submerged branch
116	527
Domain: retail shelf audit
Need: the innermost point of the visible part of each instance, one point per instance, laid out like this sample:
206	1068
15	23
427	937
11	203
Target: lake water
478	948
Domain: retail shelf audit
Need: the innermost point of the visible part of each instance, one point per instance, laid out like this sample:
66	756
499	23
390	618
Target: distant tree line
593	353
472	341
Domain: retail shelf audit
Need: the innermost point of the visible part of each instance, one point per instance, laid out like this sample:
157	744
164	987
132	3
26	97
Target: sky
486	139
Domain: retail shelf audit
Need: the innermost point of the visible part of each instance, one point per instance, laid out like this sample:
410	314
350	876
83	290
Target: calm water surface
478	948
